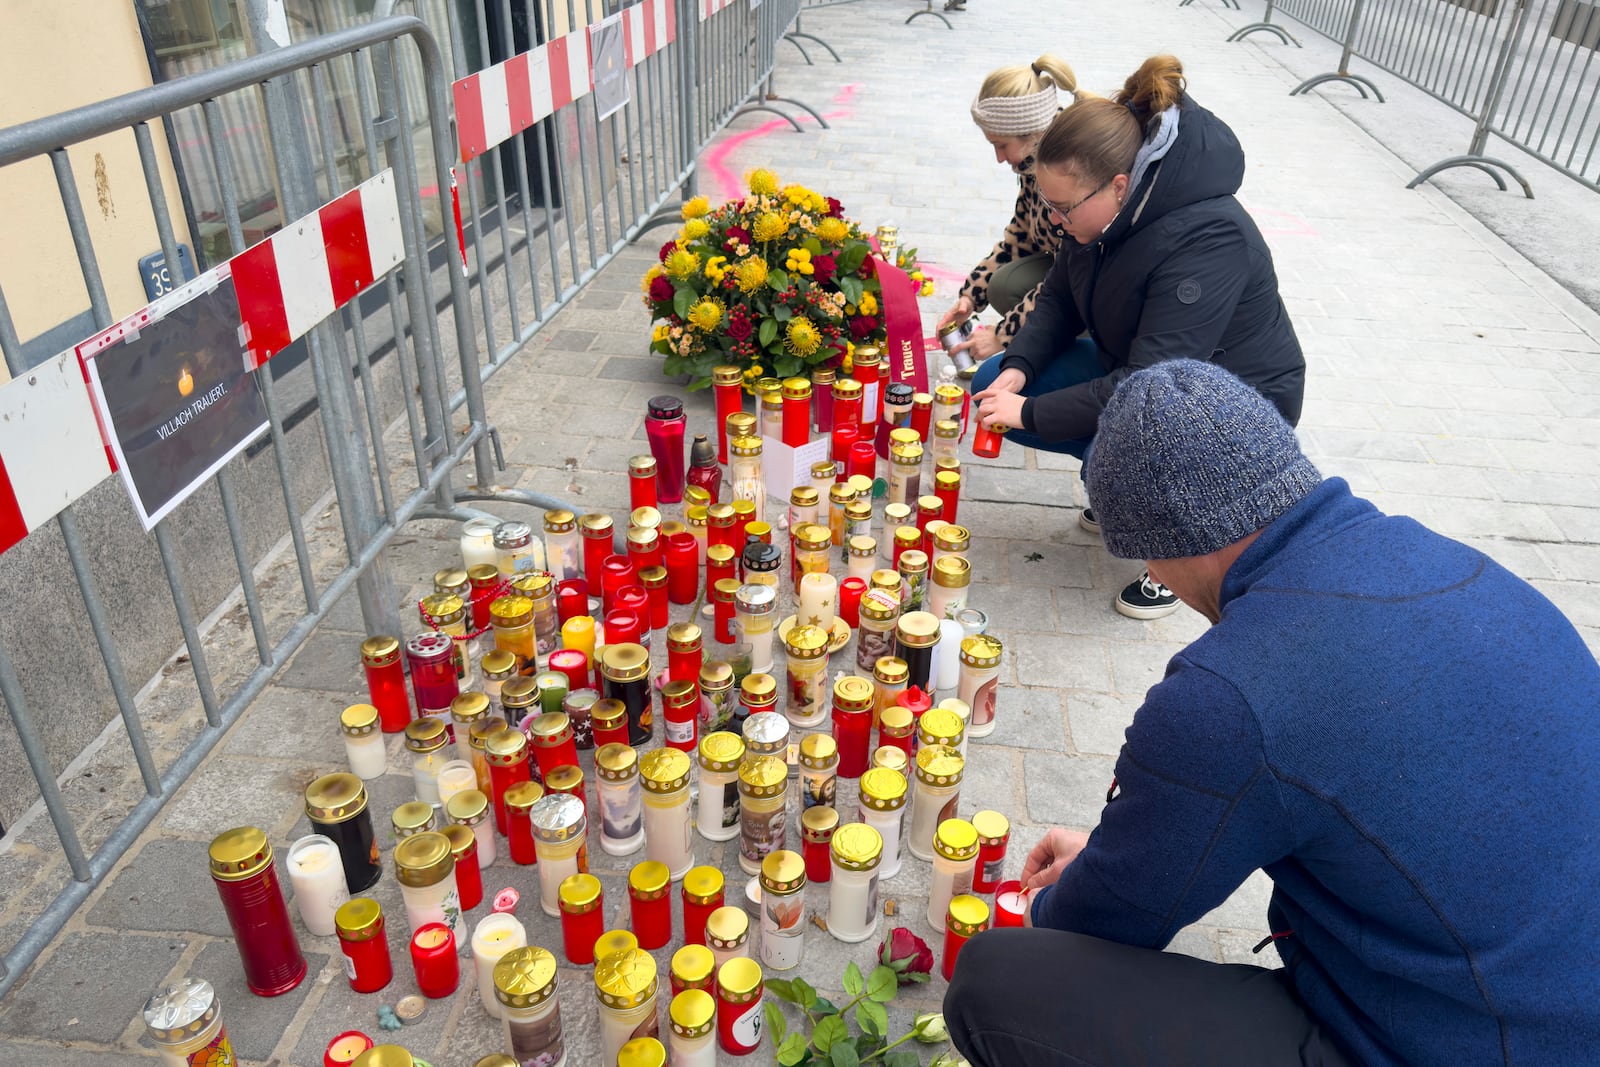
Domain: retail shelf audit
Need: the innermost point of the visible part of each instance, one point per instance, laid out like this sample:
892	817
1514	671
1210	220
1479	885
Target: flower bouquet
777	283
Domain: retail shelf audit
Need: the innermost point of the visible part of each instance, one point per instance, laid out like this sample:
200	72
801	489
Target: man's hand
959	311
1051	856
1001	403
982	345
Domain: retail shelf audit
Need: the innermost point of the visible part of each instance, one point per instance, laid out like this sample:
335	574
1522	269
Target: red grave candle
610	719
622	627
721	525
739	991
868	372
344	1049
433	957
744	513
916	700
487	583
685	652
822	400
597	545
967	916
863	460
853	698
553	742
702	894
817	825
615	572
365	944
431	657
680	706
846	403
922	414
928	509
1009	904
641	482
654	580
994	833
583	914
728	388
650	903
469	878
986	442
843	437
896	730
947	486
644	548
722	597
683	568
572	599
796	411
719	565
507	755
574	664
851	591
519	802
386	682
241	867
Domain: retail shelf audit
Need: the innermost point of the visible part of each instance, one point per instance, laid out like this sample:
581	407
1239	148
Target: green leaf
843	1054
851	287
804	995
787	366
764	334
793	1050
828	1031
778	281
782	313
882	984
781	988
812	245
854	254
866	1045
682	300
902	1057
776	1026
824	1006
872	1018
674	365
854	983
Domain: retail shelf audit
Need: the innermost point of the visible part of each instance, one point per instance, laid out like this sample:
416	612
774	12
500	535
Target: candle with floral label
184	1021
525	986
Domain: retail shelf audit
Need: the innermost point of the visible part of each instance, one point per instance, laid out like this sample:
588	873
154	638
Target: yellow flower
769	226
649	276
660	333
819	203
705	314
754	371
695	229
715	269
751	274
762	182
869	304
798	195
799	261
801	338
681	264
694	207
927	289
918	276
832	231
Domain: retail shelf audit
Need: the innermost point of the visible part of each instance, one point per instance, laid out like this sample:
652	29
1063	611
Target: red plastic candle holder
851	590
615	573
574	664
863	460
572	599
622	627
683	568
386	682
1009	904
433	957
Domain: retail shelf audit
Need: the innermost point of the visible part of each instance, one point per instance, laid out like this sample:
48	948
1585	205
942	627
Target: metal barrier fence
1525	71
396	375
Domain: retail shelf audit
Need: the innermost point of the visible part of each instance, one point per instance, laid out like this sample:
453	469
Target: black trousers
1046	997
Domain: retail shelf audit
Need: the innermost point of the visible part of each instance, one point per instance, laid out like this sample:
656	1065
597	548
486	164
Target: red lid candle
685	655
553	743
469	877
433	957
365	944
386	682
650	903
727	384
896	729
519	801
583	916
994	831
817	825
642	482
846	403
843	437
241	867
344	1049
722	598
432	659
683	568
863	460
853	698
596	528
610	719
692	967
929	508
702	893
1009	904
721	520
967	916
947	486
719	565
623	627
796	411
572	598
680	706
644	547
615	573
507	753
851	590
739	990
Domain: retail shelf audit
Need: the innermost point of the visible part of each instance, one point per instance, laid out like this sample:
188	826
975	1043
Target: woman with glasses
1014	108
1164	263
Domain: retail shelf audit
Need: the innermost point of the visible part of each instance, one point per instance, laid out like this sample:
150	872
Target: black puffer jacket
1182	272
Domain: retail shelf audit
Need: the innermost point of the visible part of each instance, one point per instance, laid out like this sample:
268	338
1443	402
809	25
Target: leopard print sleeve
1029	233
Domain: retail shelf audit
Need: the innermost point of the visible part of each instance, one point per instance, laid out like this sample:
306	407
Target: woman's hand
959	311
1050	857
982	345
1001	403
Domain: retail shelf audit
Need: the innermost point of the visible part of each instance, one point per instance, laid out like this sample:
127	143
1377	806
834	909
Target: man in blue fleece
1402	734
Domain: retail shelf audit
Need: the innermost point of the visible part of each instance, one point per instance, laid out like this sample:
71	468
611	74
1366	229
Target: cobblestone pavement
1449	380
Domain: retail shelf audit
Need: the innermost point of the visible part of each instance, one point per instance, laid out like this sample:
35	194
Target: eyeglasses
1066	212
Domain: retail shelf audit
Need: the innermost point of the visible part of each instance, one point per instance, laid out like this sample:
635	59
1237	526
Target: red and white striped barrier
51	451
315	265
711	7
496	103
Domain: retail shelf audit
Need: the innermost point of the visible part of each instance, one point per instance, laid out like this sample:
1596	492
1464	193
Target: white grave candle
456	776
947	655
819	601
317	876
477	543
494	936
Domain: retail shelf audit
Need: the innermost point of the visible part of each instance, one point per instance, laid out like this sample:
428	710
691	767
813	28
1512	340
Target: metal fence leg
930	12
1343	74
1266	25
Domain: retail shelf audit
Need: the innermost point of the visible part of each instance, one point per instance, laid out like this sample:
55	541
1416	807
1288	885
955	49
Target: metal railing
1526	71
396	375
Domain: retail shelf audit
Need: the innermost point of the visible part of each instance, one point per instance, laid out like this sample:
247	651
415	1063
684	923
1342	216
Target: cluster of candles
537	649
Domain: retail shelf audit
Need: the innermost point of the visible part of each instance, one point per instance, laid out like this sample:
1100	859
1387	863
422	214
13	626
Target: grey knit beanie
1189	459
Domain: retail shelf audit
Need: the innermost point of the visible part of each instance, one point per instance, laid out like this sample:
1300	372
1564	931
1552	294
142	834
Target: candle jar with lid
803	502
897	404
905	473
680	713
839	496
861	556
702	894
947	594
955	854
856	854
426	869
470	808
184	1022
668	820
744	473
819	770
717	814
769	404
520	799
965	917
897	729
642	490
721	526
921	414
478	738
595	530
484	583
727	384
980	669
812	548
916	633
692	967
946	440
728	933
693	1015
447	613
434	960
610	719
561	835
363	741
796	406
317	878
807	648
763	788
882	807
553	744
512	619
936	791
567	779
499	666
507	753
466	711
645	548
650	903
875	638
783	910
336	806
766	736
724	591
890	675
530	1012
716	710
698	520
626	668
994	831
682	561
719	566
893	758
753	610
758	695
664	426
852	725
621	803
364	944
428	744
563	556
412	818
846	403
940	726
947	486
913	568
817	826
516	549
241	867
951	540
431	657
582	916
625	985
905	539
739	993
520	699
386	682
762	562
540	588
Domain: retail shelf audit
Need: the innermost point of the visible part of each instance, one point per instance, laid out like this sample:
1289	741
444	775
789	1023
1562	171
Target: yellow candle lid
956	839
992	827
642	1052
721	751
857	847
703	884
728	924
783	871
614	941
694	1011
739	976
524	977
693	964
625	979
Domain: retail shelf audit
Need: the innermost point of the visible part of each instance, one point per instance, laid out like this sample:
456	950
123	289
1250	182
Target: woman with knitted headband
1013	109
1164	263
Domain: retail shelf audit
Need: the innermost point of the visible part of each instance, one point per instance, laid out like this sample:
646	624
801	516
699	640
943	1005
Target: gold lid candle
426	740
728	933
717	815
467	710
758	694
641	482
946	440
965	917
839	494
819	770
621	799
877	614
817	827
411	818
561	552
905	473
668	821
947	594
916	633
883	807
892	757
625	986
426	869
769	400
811	551
753	608
744	473
937	789
855	853
693	1015
783	910
823	473
478	738
980	671
955	853
512	619
994	831
807	648
470	808
763	787
889	676
951	540
364	746
524	981
940	726
337	807
692	967
717	696
247	883
913	568
803	501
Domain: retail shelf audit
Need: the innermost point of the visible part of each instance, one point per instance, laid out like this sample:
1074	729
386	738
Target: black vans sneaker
1087	520
1146	599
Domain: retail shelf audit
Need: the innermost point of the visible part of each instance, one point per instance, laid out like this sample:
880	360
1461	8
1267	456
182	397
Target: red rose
738	325
907	954
822	269
661	289
666	250
835	209
737	235
863	327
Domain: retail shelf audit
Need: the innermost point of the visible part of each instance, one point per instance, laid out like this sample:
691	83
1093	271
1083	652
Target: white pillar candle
494	936
947	655
456	776
1011	902
819	600
317	876
477	543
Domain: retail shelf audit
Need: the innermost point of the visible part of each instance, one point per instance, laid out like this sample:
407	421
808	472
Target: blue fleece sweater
1406	738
